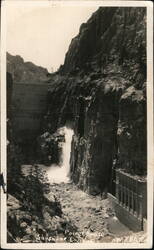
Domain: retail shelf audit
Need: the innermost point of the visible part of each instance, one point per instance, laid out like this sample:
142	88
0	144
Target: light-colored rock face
101	88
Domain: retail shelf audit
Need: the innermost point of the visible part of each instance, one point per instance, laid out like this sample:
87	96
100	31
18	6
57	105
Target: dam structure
28	108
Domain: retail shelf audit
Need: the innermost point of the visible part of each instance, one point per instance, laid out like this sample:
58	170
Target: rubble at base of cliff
35	216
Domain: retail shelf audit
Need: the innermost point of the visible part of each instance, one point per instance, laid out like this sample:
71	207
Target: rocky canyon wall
101	89
25	72
100	92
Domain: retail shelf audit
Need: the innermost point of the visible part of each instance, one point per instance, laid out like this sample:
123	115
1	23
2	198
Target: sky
42	35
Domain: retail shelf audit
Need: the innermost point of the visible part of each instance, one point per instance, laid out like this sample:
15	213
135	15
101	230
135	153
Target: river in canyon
92	215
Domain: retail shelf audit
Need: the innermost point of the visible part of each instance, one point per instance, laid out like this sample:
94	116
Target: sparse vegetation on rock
102	90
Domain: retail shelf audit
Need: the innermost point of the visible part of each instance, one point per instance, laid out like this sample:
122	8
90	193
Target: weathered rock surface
25	72
100	92
49	148
101	89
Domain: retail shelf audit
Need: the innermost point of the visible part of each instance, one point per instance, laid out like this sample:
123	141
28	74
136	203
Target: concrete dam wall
28	108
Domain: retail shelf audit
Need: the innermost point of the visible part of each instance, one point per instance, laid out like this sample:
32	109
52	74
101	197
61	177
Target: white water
58	174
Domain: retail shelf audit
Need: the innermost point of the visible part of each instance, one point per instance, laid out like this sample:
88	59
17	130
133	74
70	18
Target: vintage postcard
76	124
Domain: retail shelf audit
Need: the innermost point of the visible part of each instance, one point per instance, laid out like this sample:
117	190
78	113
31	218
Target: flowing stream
91	214
58	174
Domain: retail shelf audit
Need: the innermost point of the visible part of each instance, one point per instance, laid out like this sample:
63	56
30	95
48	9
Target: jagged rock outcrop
25	72
34	214
110	35
101	89
49	148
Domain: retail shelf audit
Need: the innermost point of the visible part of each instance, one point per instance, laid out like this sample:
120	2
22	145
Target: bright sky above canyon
42	34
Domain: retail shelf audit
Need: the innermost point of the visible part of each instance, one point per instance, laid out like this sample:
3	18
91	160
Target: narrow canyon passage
77	131
93	216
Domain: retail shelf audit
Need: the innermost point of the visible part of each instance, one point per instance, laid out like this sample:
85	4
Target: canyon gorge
97	98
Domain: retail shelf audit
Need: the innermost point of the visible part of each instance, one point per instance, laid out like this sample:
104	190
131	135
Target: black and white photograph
76	124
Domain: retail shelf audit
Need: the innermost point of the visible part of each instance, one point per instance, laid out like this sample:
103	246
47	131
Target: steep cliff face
25	72
101	89
110	35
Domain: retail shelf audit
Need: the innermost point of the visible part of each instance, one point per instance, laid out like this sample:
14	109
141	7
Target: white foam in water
58	174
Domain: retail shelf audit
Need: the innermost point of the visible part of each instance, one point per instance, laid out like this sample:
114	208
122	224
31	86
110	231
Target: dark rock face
14	154
95	150
9	93
110	35
25	72
49	148
101	89
132	131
